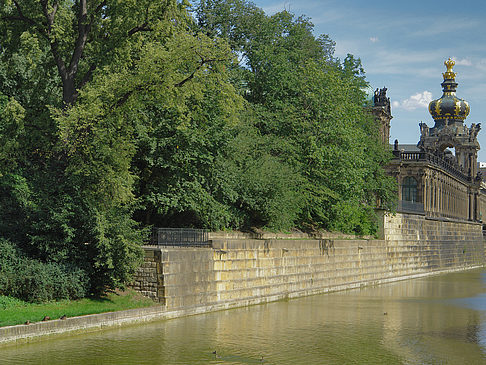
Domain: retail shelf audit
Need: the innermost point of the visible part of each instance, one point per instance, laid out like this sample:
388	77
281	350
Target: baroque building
439	176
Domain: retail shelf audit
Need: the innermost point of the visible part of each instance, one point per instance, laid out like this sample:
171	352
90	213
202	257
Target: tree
71	207
83	36
313	103
118	113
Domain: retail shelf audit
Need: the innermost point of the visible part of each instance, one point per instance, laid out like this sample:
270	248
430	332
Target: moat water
434	320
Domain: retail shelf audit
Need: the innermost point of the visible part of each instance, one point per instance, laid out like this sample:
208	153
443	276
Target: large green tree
116	113
72	206
313	102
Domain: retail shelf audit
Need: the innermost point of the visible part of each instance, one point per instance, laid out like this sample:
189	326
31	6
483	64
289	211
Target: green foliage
50	205
313	104
125	114
114	251
260	187
11	130
10	302
64	228
34	281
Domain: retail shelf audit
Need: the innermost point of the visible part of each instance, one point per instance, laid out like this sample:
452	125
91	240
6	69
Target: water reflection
436	320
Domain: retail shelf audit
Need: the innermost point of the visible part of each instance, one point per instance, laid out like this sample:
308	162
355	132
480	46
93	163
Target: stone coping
95	322
453	220
437	219
225	235
25	333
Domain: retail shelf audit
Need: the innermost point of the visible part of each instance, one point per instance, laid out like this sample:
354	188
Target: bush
10	302
35	281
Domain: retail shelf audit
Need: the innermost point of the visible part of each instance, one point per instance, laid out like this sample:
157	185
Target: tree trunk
69	91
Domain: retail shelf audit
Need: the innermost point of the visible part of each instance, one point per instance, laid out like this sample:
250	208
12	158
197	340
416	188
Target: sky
403	46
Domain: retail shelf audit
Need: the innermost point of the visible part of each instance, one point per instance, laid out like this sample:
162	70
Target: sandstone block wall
247	271
149	279
440	244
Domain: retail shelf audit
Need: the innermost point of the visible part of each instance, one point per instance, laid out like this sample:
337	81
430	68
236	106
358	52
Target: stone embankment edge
96	322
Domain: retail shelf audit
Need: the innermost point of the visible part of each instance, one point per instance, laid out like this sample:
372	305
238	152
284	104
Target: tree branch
201	64
21	14
83	29
142	28
98	9
52	15
61	66
21	17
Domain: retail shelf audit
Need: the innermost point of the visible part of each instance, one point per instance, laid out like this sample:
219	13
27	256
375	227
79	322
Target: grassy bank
13	311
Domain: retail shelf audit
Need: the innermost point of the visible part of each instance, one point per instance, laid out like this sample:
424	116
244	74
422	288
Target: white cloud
419	100
463	62
374	39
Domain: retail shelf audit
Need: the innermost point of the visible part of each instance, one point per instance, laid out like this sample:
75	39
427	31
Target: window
409	189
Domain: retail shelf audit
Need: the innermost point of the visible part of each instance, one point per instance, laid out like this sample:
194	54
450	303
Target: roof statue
380	99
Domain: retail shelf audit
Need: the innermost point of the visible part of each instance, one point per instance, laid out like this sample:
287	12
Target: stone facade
432	180
441	191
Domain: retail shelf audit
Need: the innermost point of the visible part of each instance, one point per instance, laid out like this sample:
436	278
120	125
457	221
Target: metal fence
179	237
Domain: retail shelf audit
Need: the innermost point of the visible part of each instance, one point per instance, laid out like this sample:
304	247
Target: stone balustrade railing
438	161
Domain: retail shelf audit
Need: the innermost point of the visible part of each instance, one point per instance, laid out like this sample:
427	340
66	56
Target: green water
435	320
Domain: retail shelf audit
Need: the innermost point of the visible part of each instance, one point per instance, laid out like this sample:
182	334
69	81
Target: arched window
409	189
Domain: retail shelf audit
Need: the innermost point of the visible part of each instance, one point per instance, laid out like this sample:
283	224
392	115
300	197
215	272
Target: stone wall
440	243
149	280
236	272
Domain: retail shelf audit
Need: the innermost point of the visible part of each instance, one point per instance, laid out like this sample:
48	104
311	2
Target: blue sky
403	46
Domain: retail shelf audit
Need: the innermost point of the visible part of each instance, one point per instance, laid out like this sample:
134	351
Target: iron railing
179	237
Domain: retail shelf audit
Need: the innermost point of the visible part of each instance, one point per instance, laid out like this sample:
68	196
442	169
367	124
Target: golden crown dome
449	106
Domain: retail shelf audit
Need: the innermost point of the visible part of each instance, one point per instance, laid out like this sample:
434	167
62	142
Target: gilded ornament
449	74
437	107
457	107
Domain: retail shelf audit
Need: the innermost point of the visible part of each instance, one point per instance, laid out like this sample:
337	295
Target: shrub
35	281
10	302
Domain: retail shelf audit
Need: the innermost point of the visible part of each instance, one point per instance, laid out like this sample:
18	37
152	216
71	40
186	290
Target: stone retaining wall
239	271
258	270
149	280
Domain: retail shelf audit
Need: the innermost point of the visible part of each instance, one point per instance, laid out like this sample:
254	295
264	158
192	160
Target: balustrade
452	168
